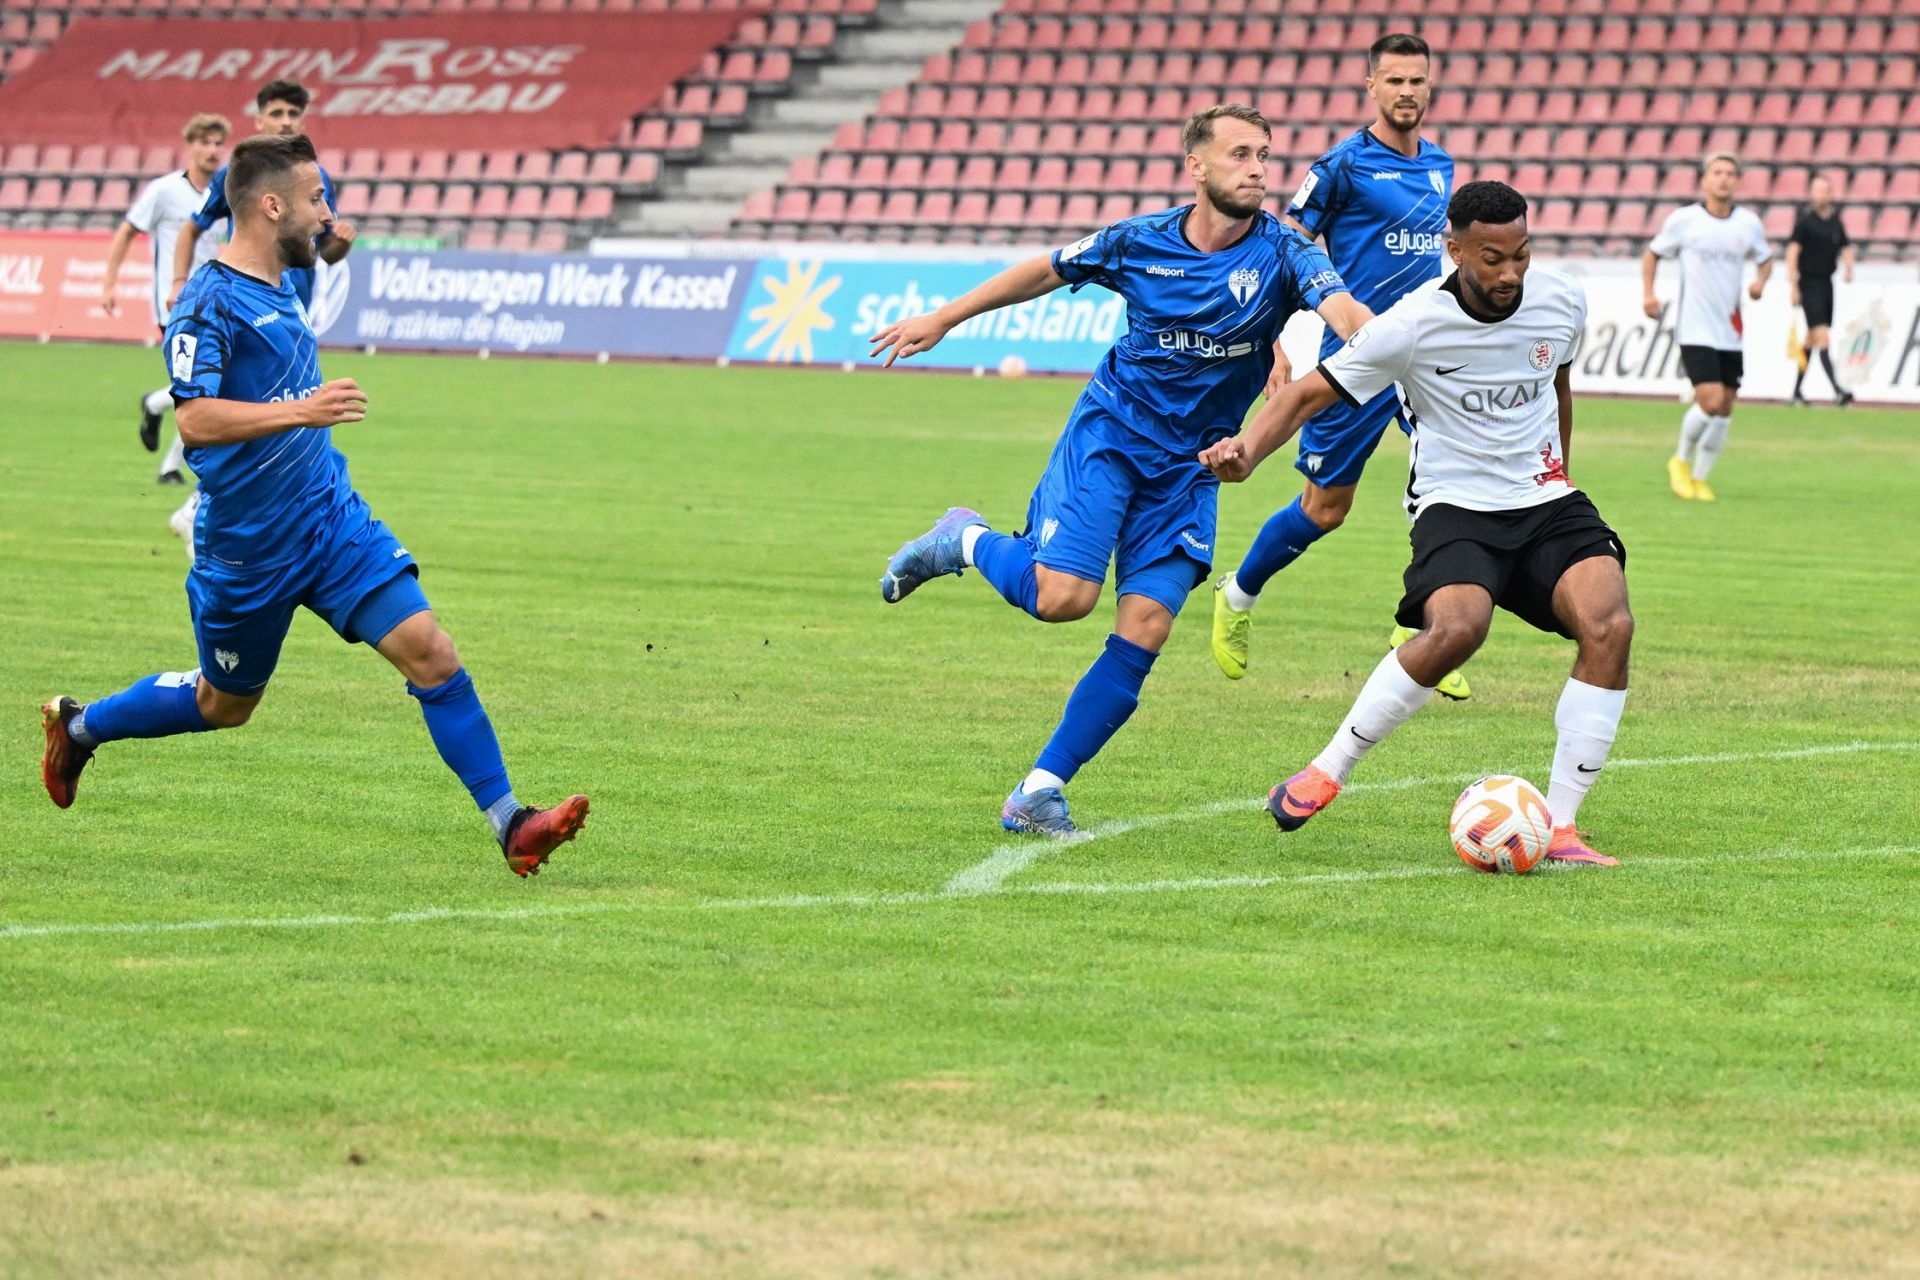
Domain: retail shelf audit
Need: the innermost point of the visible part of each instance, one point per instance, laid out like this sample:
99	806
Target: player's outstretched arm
1649	268
1344	313
122	241
183	259
1235	458
1022	282
206	421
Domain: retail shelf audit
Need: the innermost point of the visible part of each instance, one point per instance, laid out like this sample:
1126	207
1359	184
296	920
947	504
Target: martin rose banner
507	81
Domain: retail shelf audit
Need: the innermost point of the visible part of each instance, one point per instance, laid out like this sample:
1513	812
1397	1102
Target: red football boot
536	833
64	759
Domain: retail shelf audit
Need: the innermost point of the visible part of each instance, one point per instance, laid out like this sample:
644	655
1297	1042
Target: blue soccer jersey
217	208
235	337
1200	326
1383	217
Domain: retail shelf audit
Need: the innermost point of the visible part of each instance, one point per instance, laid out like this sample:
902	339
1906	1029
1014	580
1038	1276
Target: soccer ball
1501	824
1012	366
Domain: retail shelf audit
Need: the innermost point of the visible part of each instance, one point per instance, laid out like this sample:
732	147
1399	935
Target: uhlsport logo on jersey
1243	284
1541	356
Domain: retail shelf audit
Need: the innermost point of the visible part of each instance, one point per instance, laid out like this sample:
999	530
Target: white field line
996	888
1422	871
1015	856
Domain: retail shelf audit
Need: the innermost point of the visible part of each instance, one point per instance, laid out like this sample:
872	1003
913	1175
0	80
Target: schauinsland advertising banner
489	80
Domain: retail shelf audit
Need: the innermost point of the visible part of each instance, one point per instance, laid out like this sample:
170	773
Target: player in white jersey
159	212
1714	241
1483	366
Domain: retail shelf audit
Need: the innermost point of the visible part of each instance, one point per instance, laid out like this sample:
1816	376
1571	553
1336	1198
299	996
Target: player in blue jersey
1379	200
280	525
281	112
1208	287
280	109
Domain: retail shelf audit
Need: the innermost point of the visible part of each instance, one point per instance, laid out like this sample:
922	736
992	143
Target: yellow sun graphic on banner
794	313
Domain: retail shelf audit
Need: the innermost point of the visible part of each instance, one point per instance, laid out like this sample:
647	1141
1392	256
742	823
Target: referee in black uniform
1819	243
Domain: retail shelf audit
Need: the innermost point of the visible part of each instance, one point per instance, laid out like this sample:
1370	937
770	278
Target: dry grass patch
1123	1197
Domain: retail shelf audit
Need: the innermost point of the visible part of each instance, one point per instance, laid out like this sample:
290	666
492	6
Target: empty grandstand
1033	120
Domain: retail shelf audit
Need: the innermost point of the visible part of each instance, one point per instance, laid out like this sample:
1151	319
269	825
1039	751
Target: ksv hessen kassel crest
1541	357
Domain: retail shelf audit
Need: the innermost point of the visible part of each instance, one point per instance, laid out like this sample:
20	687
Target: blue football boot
933	554
1041	813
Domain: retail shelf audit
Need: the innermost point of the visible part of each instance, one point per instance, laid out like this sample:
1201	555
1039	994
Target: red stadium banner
521	81
50	287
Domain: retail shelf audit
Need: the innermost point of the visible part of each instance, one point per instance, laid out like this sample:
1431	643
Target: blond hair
205	123
1707	162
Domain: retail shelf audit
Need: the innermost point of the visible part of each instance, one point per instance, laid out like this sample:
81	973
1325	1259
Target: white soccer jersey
1713	254
163	206
1478	393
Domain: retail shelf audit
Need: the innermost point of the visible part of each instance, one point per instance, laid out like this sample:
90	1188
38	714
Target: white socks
1692	427
1712	441
1587	718
158	402
176	456
1237	600
1040	779
1387	700
969	537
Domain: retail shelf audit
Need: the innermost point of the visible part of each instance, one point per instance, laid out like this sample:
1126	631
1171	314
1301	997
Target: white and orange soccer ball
1501	824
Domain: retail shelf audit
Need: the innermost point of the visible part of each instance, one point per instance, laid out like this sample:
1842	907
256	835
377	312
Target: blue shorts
356	576
1336	442
1111	494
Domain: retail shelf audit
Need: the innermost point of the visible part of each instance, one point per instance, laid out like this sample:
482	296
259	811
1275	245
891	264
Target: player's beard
1485	303
1231	202
1400	117
297	249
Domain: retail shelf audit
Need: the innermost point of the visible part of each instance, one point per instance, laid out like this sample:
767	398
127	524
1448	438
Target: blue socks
1007	563
1283	539
156	707
463	735
1099	705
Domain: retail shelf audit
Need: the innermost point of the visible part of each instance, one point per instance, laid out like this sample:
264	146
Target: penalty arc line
1012	858
1421	871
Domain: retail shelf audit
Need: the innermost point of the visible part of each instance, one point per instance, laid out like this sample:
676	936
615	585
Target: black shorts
1518	556
1711	364
1816	300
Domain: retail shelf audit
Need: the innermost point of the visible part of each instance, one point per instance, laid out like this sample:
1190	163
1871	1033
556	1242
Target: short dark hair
282	91
1400	44
1200	127
260	162
1494	203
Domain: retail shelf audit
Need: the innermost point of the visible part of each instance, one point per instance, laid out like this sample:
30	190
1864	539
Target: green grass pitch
271	1005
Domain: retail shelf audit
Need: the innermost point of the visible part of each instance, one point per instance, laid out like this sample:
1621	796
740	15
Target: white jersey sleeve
1375	357
145	213
1666	241
1758	247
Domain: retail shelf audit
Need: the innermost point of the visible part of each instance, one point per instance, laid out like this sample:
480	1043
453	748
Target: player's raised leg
1591	601
1457	618
456	721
